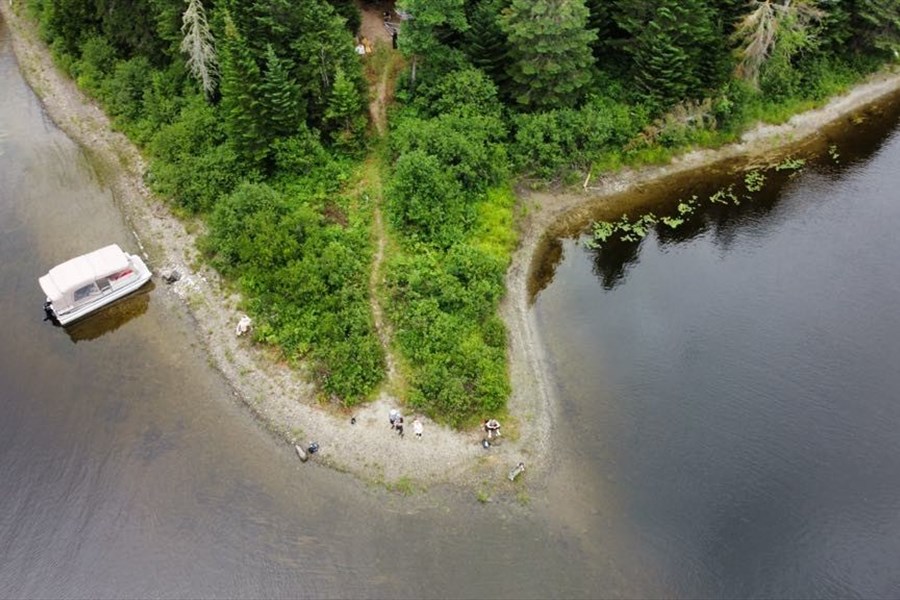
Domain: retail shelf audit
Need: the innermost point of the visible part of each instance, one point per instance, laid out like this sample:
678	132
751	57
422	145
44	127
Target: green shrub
97	62
470	148
426	202
307	283
192	162
123	92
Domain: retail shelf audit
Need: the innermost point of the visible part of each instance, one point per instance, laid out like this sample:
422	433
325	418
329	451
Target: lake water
734	386
726	420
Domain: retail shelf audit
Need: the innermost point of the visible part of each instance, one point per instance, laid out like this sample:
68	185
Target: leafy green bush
98	59
299	154
443	306
123	92
469	147
443	309
426	202
467	92
192	162
307	283
547	143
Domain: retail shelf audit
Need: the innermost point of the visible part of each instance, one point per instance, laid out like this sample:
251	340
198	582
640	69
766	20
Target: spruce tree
240	86
549	52
609	35
424	36
485	41
880	24
343	116
677	48
280	111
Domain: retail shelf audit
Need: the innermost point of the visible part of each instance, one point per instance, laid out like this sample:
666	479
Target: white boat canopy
62	280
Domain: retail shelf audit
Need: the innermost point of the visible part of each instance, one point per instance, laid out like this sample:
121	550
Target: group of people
396	420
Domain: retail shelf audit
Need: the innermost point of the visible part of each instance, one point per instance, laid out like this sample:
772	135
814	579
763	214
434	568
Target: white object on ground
243	326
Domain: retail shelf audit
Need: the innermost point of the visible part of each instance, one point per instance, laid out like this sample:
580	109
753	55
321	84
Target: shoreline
276	394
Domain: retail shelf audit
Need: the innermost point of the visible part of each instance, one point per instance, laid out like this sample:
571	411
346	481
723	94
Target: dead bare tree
199	45
758	32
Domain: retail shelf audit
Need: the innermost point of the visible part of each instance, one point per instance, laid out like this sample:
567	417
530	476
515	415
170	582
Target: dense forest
253	114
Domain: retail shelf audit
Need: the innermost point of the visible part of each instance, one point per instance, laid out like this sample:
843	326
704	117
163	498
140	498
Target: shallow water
732	387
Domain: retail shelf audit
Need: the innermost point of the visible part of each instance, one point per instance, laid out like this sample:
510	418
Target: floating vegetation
724	196
754	180
833	153
630	231
686	208
634	231
672	222
603	230
790	164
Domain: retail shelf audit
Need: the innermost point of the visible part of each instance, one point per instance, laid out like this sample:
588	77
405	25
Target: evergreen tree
880	20
425	35
67	23
310	34
485	41
549	51
198	44
676	48
349	11
240	86
343	116
609	35
280	112
130	27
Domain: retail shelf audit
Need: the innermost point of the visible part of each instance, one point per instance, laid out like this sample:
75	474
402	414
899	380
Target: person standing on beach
417	427
399	426
393	416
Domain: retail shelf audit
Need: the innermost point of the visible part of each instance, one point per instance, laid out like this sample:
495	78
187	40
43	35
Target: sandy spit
279	396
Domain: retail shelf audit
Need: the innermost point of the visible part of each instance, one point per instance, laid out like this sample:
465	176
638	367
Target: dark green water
733	388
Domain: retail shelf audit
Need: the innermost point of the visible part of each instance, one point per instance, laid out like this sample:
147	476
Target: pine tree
280	112
676	48
425	35
880	20
67	23
198	44
343	116
309	33
609	34
550	51
240	85
485	41
130	28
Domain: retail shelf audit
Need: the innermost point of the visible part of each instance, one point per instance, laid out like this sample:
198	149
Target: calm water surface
734	388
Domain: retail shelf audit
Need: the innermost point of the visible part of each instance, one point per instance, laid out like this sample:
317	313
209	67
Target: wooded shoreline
279	395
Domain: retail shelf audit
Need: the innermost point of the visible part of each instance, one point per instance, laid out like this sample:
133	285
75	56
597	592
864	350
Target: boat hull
143	275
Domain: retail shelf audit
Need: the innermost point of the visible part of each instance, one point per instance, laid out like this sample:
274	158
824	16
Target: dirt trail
389	62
